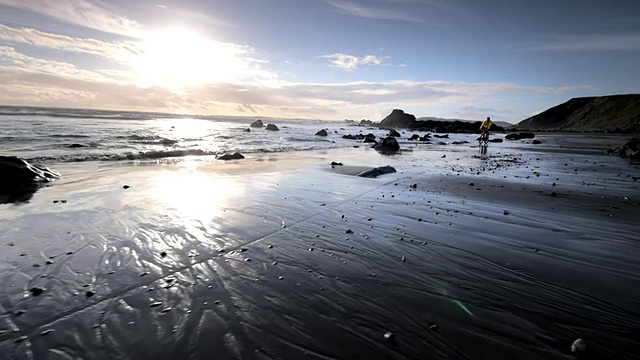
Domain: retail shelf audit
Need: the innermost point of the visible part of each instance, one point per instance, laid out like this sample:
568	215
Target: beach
512	255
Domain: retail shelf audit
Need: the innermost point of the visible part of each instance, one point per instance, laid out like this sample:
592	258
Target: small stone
579	346
35	291
506	212
389	336
280	277
163	254
404	259
46	332
349	231
433	327
89	293
155	304
19	313
270	246
126	187
471	184
247	259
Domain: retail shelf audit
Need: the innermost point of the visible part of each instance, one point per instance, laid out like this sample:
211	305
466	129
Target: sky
318	59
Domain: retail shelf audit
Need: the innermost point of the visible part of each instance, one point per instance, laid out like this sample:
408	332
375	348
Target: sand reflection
194	195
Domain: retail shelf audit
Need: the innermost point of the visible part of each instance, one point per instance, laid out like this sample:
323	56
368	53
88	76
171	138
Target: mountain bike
483	141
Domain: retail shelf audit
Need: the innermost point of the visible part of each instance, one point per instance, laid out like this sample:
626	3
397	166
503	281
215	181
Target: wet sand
510	256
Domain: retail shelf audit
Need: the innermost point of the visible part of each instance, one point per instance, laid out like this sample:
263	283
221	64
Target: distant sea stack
398	119
614	113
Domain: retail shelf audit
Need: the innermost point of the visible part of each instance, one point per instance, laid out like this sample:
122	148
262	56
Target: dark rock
393	133
257	124
247	130
375	172
398	119
519	136
74	146
369	140
125	187
333	163
89	293
414	137
459	142
631	149
536	142
496	140
235	156
20	179
387	144
445	136
272	127
322	132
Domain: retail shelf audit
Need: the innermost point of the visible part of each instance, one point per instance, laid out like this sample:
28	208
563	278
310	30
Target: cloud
86	13
590	42
351	63
366	11
119	52
26	80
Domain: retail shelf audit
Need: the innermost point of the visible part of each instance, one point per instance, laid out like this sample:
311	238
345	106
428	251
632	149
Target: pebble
125	187
89	293
389	336
579	346
35	291
163	254
506	212
155	304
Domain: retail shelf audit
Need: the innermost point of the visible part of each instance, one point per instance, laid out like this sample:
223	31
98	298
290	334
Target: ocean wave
142	155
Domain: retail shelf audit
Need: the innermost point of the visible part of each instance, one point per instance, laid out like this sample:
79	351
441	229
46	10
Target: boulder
74	146
272	127
414	137
387	144
393	133
519	136
445	136
322	132
496	140
536	142
228	156
247	130
20	179
257	124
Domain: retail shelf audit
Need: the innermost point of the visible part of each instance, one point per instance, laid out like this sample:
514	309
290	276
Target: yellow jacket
486	125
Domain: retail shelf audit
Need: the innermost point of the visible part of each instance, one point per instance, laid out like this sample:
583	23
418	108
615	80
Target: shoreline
281	256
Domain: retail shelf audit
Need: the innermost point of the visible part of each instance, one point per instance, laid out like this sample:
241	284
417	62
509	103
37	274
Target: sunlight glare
178	57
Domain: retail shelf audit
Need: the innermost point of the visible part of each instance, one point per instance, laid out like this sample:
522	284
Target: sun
179	57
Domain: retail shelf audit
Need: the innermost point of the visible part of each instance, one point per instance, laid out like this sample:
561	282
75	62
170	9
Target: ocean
50	135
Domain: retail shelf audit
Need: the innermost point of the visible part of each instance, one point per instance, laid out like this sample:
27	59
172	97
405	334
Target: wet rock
631	149
434	327
444	136
459	142
375	172
349	231
496	140
155	304
333	163
35	291
228	156
272	127
414	137
520	136
163	254
257	124
75	146
125	187
20	179
536	142
393	133
387	144
506	212
46	332
322	132
247	130
89	293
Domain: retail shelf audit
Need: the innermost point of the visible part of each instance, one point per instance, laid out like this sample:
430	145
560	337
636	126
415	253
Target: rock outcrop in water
19	180
399	119
272	127
257	124
614	113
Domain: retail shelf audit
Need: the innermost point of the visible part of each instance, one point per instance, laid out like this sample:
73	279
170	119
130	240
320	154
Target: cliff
614	113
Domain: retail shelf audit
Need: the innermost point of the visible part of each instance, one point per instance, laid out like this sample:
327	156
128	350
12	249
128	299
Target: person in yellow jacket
484	128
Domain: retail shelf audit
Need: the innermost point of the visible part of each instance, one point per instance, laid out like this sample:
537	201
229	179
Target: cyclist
484	128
